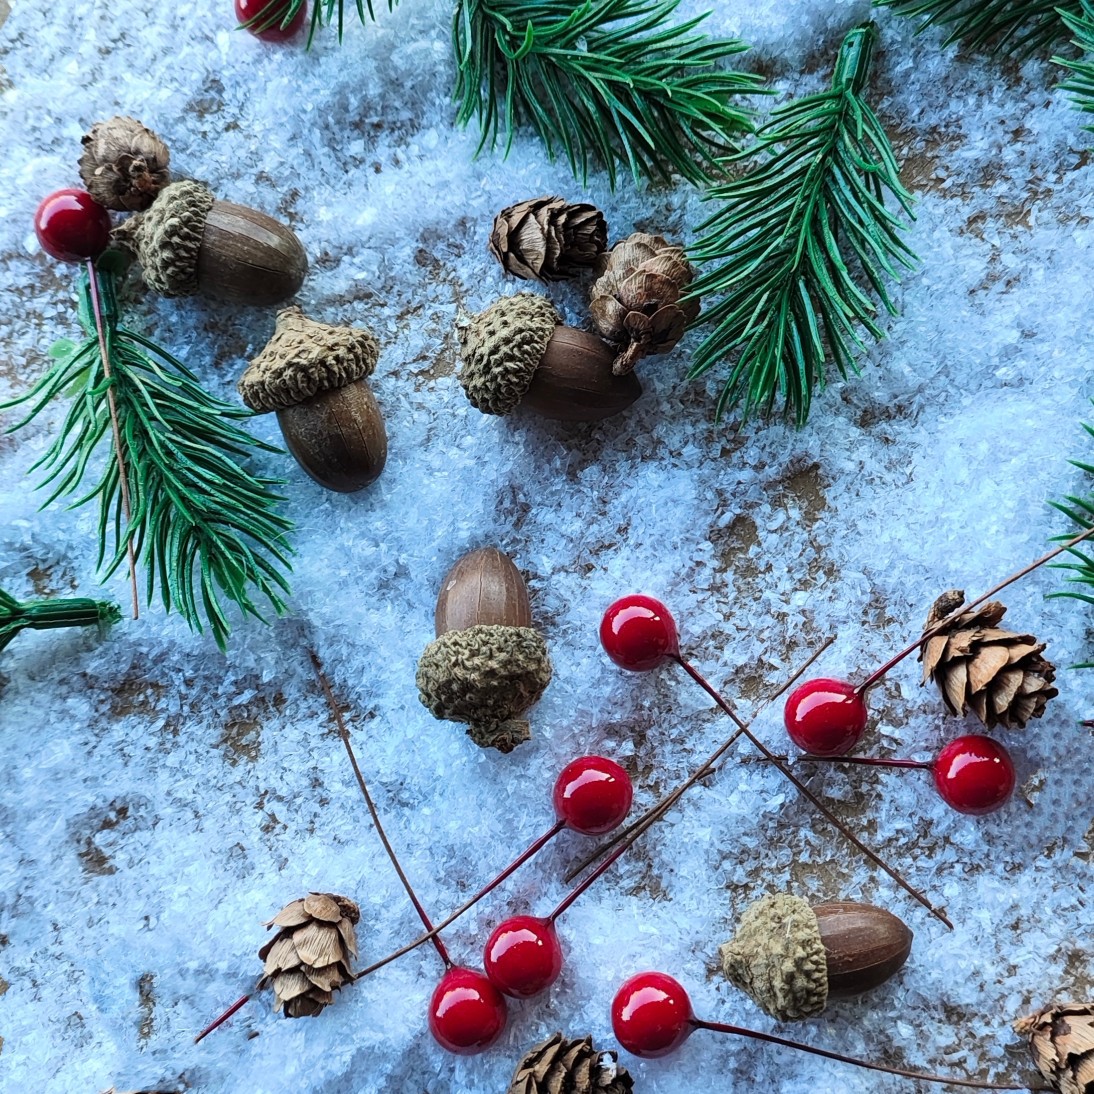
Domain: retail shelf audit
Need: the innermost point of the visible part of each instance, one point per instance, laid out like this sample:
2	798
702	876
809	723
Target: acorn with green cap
518	352
189	242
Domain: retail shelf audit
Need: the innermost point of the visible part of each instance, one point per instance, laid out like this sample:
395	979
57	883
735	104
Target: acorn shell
483	588
865	945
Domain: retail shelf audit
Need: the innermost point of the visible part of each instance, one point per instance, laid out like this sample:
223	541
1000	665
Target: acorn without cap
188	242
791	958
315	377
487	665
519	352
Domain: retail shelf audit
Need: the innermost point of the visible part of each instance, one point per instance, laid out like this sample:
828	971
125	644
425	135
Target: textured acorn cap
304	358
777	958
486	677
501	349
166	237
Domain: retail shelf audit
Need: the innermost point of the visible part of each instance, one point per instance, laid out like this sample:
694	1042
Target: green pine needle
204	528
801	246
323	14
1079	509
1016	27
1081	81
606	81
42	615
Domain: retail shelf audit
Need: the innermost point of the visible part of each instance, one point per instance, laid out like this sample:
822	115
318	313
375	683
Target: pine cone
124	164
999	674
309	958
636	298
547	239
561	1066
1061	1042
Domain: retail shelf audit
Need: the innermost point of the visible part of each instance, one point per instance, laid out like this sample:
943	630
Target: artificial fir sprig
174	493
1016	27
44	615
1081	81
607	81
802	246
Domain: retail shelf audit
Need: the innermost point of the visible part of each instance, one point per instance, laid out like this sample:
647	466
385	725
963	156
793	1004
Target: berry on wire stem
72	226
270	20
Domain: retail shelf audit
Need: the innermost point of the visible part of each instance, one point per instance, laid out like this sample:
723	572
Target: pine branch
323	14
1079	509
43	615
1081	81
1016	27
605	81
204	527
800	247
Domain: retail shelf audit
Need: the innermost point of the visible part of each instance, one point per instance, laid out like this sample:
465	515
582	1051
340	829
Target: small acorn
487	665
791	958
189	242
519	352
315	377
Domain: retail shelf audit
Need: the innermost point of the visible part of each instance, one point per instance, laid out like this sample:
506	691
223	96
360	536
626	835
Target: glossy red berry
825	717
71	226
467	1013
264	10
593	795
651	1014
974	774
523	956
638	633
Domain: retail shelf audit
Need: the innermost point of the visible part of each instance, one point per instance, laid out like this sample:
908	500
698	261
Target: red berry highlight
264	10
467	1014
974	775
72	226
825	717
523	956
638	633
592	795
651	1014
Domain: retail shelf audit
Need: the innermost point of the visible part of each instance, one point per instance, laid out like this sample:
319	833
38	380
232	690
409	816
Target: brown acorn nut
519	352
314	376
189	242
791	958
487	665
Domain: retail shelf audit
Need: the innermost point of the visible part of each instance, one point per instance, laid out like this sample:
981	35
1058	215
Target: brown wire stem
222	1019
123	477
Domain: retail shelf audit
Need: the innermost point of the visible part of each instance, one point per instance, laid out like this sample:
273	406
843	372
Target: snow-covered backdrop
159	800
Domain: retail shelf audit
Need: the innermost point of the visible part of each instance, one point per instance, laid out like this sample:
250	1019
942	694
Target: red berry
651	1014
523	956
467	1014
71	226
264	10
825	717
593	795
638	633
974	774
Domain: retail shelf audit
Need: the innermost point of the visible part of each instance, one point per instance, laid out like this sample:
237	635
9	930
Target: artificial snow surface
159	800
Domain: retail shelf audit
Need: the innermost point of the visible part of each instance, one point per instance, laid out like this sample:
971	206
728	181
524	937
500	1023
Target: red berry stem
599	872
123	476
854	1061
877	674
709	767
519	861
343	732
847	834
869	761
237	1005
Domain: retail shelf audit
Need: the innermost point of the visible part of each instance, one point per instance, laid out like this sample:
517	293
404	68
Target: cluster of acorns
519	352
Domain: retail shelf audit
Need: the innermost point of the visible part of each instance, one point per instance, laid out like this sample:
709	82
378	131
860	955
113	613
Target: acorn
488	665
315	377
791	958
519	352
189	242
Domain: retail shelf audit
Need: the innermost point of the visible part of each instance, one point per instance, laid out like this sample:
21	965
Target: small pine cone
309	958
547	239
561	1066
1000	675
636	298
1061	1042
124	164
